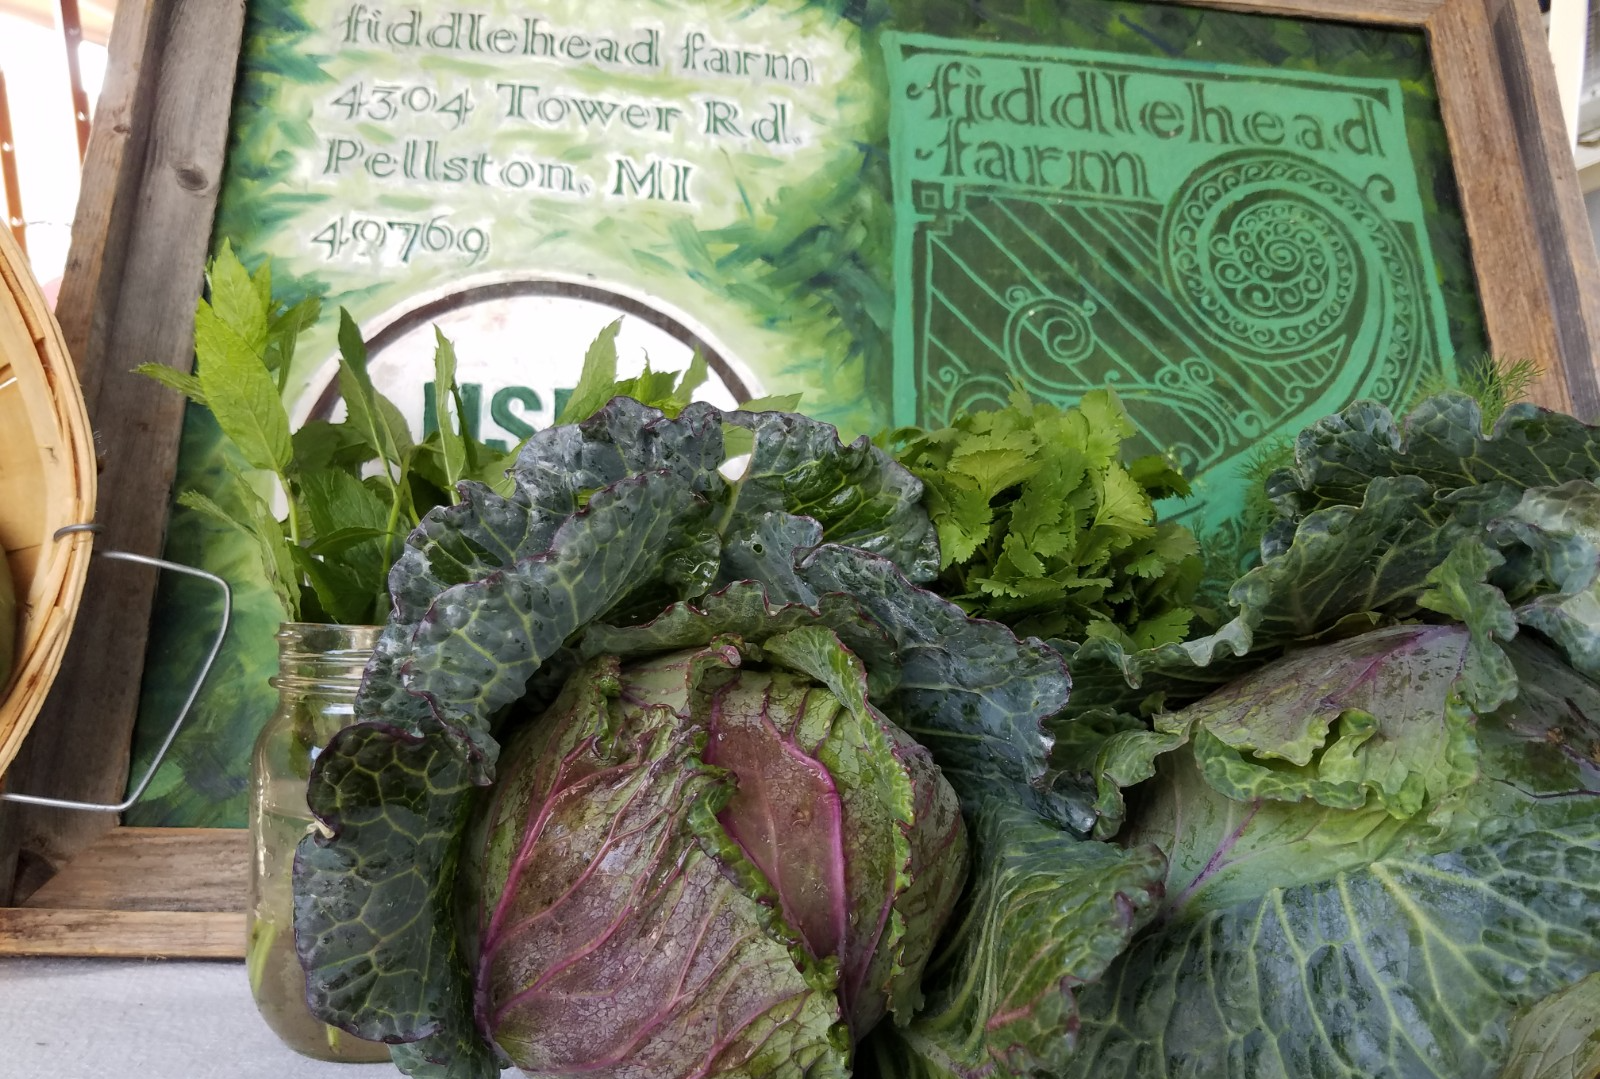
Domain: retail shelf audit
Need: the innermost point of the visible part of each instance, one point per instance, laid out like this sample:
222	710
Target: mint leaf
254	519
782	402
342	594
241	303
377	420
692	380
239	391
339	504
336	500
320	444
283	334
597	382
174	379
343	539
452	440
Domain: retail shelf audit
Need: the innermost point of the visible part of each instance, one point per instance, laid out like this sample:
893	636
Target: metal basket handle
194	691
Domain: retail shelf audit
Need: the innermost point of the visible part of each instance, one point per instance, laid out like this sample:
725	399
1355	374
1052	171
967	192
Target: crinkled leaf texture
1046	914
405	795
614	936
1559	1037
1387	521
976	697
1560	526
1440	442
1376	721
614	520
1305	935
1346	567
643	496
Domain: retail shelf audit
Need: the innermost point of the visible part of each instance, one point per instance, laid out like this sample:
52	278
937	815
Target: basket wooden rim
31	343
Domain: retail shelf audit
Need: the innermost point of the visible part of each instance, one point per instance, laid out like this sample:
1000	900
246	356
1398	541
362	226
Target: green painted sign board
1235	253
898	208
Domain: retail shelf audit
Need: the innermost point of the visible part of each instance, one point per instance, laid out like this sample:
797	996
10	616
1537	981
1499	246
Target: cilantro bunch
1043	527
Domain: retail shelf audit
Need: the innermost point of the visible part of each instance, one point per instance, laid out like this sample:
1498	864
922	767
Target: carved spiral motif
1271	252
971	393
1045	335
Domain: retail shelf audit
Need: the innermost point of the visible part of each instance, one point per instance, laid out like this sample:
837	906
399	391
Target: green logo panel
1236	252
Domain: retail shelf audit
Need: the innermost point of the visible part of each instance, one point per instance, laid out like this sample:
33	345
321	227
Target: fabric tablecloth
113	1019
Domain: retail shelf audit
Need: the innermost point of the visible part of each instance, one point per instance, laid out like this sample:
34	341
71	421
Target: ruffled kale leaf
613	519
1560	528
1385	522
375	968
798	467
967	689
855	491
1442	443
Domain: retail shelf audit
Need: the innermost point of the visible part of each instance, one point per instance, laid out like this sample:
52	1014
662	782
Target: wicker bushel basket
47	481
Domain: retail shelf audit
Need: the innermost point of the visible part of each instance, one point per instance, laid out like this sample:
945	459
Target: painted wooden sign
897	208
1237	253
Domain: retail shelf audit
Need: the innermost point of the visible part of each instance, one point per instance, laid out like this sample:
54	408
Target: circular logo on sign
519	347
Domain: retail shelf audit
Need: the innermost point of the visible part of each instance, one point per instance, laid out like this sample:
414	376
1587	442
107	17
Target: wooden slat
111	180
177	109
175	869
1510	269
1396	13
89	290
1550	179
72	35
10	185
157	892
121	934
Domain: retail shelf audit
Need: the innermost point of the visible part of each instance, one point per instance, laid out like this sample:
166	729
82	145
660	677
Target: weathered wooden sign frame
139	243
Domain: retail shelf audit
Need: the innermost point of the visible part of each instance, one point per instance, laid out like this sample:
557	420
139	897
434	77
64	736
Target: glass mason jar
319	671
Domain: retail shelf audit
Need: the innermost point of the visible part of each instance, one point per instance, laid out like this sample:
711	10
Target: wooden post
133	277
72	36
8	172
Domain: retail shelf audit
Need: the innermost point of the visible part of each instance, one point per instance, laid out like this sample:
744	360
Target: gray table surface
112	1019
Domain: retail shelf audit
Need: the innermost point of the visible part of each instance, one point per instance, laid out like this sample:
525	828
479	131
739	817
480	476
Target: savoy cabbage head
1378	787
662	773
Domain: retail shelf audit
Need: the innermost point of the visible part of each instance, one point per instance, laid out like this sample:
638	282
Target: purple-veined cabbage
713	861
1378	786
656	773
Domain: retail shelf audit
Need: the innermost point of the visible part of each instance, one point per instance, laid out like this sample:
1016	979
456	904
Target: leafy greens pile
352	489
656	772
1042	527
